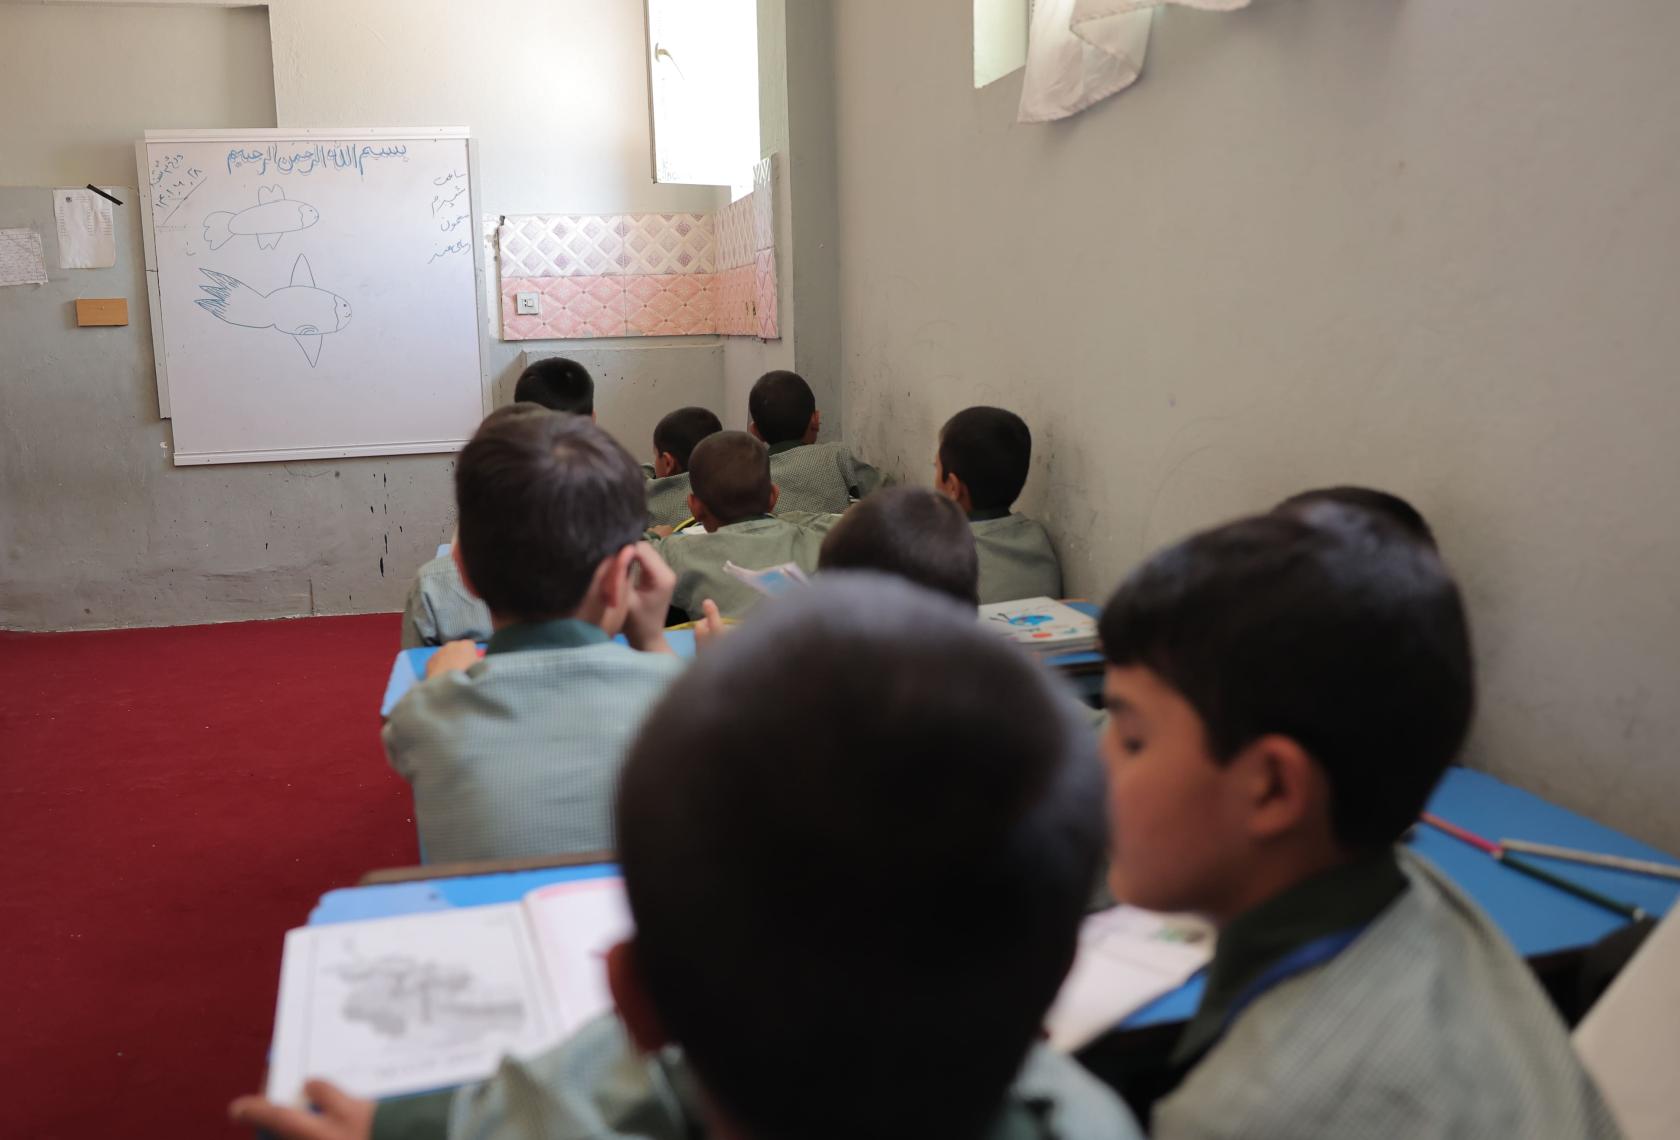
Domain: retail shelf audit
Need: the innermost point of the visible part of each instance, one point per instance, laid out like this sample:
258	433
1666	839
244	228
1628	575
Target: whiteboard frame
281	134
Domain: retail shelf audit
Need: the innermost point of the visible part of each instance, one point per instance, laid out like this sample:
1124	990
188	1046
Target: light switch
529	304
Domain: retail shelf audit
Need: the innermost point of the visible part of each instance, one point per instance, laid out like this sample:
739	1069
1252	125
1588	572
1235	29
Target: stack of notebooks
1041	625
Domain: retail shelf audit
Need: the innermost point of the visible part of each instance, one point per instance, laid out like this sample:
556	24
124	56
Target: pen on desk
1461	834
1523	866
1593	858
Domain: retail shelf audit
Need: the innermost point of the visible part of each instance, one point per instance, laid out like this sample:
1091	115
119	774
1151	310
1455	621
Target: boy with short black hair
982	464
516	754
674	438
1284	695
912	532
559	384
856	938
732	498
816	478
1384	503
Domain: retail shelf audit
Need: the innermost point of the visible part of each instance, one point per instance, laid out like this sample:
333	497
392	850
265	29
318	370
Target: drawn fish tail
234	301
216	229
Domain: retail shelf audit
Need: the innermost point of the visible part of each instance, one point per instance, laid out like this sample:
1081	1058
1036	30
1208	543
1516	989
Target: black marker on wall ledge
104	195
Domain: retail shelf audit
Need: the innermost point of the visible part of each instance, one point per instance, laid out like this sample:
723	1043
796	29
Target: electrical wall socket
528	304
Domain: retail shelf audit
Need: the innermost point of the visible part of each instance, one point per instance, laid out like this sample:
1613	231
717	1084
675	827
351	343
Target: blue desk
443	551
1538	919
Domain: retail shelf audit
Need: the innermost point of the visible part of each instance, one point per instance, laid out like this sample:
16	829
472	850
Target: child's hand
651	584
457	656
709	628
663	531
342	1116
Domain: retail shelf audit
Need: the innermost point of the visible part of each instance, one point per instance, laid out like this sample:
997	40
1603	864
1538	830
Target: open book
1042	625
427	1001
1127	958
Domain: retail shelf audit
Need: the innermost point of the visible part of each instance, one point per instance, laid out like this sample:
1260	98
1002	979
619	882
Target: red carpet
171	802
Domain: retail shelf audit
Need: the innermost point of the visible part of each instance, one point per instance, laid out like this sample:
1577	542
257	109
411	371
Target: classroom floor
171	802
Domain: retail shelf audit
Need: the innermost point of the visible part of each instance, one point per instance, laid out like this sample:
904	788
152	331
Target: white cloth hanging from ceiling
1080	52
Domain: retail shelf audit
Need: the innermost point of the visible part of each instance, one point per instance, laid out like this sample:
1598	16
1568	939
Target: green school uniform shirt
1016	558
1427	1025
518	755
667	500
819	478
596	1087
440	610
755	544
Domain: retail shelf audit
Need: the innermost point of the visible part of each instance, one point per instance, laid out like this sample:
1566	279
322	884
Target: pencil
1626	910
1593	858
1461	834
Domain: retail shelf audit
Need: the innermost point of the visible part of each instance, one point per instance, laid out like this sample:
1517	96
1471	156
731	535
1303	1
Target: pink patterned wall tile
667	243
735	306
764	204
764	280
571	308
561	245
735	234
679	304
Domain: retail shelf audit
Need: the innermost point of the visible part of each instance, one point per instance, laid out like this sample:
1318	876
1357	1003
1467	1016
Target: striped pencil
1523	866
1593	858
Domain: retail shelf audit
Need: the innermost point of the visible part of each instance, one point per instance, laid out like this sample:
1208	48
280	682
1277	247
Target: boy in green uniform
817	478
439	608
1284	692
516	754
674	438
857	938
982	464
732	500
913	532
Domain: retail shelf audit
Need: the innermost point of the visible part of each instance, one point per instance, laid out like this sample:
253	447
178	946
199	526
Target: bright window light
703	60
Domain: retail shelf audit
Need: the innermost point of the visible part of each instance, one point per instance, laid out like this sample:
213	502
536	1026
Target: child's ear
460	566
814	428
775	494
1282	788
756	434
612	577
629	994
664	465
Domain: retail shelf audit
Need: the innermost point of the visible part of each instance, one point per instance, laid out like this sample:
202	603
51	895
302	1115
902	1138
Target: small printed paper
21	260
86	229
1127	958
773	582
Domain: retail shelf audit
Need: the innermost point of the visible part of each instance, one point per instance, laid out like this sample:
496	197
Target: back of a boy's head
913	532
989	449
781	405
1342	633
857	840
678	432
1384	503
542	498
558	384
729	471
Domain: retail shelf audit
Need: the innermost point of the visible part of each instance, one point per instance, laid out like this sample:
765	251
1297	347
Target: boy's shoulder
1429	1008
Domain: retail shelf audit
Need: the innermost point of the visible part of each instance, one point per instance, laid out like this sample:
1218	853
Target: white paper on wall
86	229
21	261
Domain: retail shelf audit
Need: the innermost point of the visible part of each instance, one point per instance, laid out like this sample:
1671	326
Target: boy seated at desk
732	500
674	438
818	478
438	608
857	939
1284	694
516	754
982	463
914	533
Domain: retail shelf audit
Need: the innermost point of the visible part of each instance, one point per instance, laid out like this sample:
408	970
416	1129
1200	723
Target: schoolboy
731	500
817	478
1284	694
438	608
516	754
674	438
912	532
857	938
982	464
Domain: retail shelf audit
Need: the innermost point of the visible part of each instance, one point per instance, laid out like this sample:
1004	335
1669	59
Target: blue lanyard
1298	961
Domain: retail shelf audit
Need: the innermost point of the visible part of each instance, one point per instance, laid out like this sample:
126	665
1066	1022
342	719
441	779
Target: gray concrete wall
1431	246
98	528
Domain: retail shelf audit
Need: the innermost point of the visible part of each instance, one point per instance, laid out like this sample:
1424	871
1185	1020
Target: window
1000	38
703	69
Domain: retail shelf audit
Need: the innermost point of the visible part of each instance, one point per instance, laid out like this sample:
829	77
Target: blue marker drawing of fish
268	221
299	310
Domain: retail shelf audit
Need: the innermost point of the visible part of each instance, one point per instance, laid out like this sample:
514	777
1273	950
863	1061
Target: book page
1127	958
401	1005
575	924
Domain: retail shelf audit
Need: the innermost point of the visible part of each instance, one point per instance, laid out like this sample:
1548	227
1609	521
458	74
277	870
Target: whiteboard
314	292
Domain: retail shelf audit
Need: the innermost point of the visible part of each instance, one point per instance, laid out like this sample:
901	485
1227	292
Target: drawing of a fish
268	221
299	310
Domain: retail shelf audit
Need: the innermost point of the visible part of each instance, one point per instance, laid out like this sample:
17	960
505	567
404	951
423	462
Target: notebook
427	1001
1042	625
1126	959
